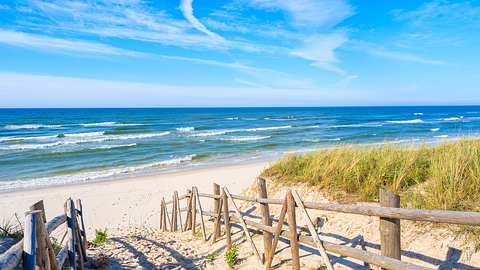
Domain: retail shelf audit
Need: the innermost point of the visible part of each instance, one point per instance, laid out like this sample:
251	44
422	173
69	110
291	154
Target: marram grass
445	176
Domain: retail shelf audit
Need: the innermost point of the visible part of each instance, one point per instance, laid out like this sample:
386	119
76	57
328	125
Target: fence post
30	239
173	228
83	232
194	211
390	227
267	221
70	212
226	218
292	227
49	247
216	205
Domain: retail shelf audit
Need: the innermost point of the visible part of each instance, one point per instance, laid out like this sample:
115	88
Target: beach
132	202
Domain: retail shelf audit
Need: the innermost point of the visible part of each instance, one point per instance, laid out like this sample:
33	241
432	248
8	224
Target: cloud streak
34	41
187	11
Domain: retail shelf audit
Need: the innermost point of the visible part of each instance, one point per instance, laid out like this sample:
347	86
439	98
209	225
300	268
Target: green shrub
211	257
231	256
101	237
10	229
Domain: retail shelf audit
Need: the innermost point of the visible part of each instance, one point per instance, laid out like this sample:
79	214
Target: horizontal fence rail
36	251
225	213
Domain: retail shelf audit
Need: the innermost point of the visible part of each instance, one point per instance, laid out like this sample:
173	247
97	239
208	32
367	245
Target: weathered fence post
267	221
161	216
174	214
83	232
30	239
194	211
216	205
292	228
188	219
50	260
226	218
70	212
390	227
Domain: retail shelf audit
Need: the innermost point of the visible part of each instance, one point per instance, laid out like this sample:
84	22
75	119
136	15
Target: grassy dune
445	176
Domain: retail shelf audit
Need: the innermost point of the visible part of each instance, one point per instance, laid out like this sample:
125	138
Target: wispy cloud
320	50
316	13
42	42
382	52
187	11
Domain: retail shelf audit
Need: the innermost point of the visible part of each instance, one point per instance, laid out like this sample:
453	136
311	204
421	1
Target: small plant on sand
211	257
9	229
101	237
231	256
197	235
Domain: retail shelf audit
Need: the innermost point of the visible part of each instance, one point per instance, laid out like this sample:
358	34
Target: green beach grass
444	176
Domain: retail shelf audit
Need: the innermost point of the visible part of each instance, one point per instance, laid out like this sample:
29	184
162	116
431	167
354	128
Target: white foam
435	129
231	118
31	126
113	146
209	133
266	128
89	176
442	136
185	129
357	125
245	138
413	121
108	124
418	113
451	119
280	119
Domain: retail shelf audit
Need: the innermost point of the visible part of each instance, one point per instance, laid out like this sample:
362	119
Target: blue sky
121	53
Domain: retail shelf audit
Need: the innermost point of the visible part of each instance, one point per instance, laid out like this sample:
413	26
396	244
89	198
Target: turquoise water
41	147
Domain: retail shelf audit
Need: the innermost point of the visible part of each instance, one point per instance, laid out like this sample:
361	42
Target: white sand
130	202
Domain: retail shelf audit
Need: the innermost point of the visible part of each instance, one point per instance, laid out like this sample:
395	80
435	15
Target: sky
210	53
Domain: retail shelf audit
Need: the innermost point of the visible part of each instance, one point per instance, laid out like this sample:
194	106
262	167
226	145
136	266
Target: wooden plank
70	212
312	230
173	228
42	258
48	243
11	258
437	216
194	211
56	222
216	206
218	221
167	216
343	250
244	226
177	201
83	232
30	239
188	219
226	219
202	223
78	241
390	227
162	213
292	227
277	233
62	256
266	220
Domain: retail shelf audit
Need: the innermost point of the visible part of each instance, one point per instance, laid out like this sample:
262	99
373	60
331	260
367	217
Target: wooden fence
36	250
388	212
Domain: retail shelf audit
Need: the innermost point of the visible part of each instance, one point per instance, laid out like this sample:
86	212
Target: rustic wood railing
36	250
388	212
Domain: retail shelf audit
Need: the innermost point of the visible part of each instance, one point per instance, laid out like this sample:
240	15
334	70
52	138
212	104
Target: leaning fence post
194	211
30	239
226	218
216	205
83	232
390	227
292	227
267	221
49	247
70	212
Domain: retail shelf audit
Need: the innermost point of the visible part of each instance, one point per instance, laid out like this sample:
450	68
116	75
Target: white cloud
324	13
42	42
187	10
320	49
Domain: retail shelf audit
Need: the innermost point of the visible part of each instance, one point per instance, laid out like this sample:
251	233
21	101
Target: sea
46	147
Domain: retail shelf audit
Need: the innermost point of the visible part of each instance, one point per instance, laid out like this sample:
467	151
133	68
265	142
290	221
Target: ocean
44	147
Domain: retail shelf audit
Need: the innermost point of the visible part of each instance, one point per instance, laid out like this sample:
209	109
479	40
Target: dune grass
445	176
